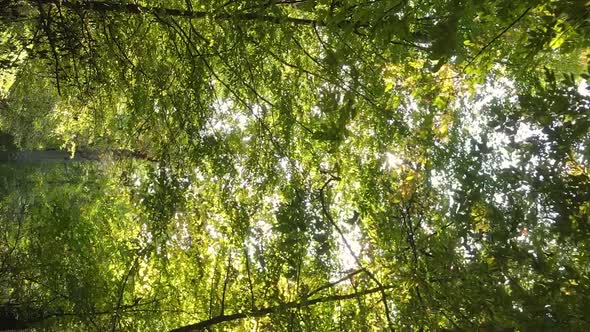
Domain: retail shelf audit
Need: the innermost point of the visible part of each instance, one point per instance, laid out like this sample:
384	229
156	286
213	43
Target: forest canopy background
300	165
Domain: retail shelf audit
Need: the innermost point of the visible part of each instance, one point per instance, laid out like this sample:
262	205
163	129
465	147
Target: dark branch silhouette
135	9
274	309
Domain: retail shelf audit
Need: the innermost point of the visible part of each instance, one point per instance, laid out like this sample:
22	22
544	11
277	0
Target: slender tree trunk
60	156
134	9
12	324
40	157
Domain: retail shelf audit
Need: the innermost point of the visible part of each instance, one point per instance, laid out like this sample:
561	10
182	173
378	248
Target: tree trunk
134	9
52	156
11	324
41	157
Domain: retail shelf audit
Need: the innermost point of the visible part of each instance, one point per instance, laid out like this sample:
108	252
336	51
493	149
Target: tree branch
356	259
496	38
134	9
45	22
332	284
202	325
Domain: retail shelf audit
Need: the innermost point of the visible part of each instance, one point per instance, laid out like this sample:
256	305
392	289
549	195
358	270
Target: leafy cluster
301	165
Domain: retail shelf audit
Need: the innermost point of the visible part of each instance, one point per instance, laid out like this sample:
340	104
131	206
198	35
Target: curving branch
205	324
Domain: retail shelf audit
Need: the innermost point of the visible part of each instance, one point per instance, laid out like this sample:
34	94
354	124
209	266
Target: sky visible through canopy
309	165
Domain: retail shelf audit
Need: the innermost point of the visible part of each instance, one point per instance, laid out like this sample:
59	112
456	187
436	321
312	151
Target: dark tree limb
205	324
135	9
117	313
249	275
332	284
45	22
225	283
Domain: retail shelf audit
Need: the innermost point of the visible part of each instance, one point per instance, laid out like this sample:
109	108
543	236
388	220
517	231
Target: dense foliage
300	165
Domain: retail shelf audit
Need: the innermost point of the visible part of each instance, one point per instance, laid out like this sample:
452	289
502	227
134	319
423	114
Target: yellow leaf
557	41
482	226
574	168
444	128
388	86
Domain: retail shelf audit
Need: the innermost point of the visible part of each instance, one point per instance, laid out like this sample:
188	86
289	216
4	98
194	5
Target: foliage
295	165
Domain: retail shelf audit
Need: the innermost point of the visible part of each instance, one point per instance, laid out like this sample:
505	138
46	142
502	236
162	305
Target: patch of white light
501	199
257	111
287	166
315	111
349	243
346	254
146	235
239	167
583	88
475	111
424	45
325	166
468	248
326	89
365	153
272	203
261	232
427	229
284	165
347	79
199	175
136	178
212	231
547	218
182	237
226	118
240	120
151	189
531	251
393	161
444	183
508	159
499	142
409	109
500	89
264	228
526	131
214	235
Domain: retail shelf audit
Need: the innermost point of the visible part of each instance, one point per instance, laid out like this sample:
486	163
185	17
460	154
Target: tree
295	165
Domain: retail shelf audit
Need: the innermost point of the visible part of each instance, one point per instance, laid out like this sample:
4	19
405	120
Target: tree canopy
294	165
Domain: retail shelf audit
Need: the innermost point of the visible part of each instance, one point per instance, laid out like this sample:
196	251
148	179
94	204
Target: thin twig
353	254
496	38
